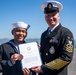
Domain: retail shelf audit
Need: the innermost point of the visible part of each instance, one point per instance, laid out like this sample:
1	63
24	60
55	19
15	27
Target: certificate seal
28	48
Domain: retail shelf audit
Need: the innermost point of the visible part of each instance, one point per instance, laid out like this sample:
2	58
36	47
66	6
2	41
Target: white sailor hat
51	6
20	25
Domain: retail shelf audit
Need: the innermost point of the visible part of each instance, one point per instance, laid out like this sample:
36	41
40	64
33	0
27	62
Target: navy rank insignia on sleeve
69	46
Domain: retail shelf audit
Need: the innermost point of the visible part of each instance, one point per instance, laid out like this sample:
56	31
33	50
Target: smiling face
52	19
19	35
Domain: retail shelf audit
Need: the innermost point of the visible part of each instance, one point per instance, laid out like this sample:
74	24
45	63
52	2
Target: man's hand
26	71
16	57
37	69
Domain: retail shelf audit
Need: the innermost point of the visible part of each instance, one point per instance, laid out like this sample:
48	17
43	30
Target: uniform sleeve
4	63
65	57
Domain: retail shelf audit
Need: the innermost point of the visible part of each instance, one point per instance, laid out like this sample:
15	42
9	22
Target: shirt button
46	54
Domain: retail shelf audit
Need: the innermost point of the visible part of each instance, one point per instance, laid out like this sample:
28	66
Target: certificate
31	55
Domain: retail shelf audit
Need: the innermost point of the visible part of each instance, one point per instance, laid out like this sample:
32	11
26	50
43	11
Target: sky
29	11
